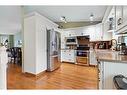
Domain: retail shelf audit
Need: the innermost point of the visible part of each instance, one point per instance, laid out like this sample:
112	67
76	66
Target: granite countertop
109	55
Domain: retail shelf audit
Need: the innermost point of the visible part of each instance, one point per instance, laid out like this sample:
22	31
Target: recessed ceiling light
91	17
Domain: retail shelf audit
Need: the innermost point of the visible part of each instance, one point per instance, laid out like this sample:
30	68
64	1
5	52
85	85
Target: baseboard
93	65
34	75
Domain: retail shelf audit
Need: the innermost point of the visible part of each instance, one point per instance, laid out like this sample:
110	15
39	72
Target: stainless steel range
83	55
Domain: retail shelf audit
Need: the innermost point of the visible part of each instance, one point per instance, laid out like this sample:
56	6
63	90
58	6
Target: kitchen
68	47
92	45
107	47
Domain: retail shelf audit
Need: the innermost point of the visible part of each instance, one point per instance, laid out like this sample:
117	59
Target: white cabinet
95	32
63	42
68	56
35	43
92	58
121	19
107	71
119	16
91	32
98	32
124	14
107	36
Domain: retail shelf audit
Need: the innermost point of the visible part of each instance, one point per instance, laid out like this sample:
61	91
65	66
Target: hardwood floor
68	76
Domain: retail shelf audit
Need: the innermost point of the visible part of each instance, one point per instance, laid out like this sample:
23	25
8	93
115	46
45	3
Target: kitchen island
110	64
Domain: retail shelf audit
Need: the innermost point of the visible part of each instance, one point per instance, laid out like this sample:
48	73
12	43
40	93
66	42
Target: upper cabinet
76	32
106	36
119	16
121	19
124	14
97	32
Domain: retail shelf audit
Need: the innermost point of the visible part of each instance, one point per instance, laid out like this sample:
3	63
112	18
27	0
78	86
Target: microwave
71	40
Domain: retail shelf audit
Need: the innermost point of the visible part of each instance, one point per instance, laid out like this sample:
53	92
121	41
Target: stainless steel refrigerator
53	50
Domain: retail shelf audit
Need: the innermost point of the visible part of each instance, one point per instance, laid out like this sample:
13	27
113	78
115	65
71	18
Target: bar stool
120	82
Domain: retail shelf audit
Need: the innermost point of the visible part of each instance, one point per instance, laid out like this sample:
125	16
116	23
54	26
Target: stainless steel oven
82	53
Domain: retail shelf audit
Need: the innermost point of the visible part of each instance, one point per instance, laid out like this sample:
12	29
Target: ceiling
72	13
10	19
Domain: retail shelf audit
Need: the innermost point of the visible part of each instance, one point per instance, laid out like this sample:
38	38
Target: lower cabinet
92	58
107	70
68	56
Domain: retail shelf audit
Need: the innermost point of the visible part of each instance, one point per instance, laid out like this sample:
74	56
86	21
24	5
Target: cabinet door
106	35
93	59
119	16
63	41
63	54
124	14
98	32
101	75
67	55
91	31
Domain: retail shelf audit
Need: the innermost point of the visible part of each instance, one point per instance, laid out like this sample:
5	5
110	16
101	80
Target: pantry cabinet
35	42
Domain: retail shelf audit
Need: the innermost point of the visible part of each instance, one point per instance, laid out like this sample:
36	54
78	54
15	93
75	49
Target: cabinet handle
98	71
98	79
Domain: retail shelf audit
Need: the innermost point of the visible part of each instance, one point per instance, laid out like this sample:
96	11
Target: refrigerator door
53	44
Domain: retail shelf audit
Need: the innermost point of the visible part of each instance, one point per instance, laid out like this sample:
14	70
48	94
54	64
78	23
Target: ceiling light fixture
91	17
63	19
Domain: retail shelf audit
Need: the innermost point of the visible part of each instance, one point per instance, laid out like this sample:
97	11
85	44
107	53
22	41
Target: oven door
82	53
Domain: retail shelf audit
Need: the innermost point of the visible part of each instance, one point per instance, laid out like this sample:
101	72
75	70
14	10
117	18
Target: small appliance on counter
122	42
100	44
114	44
123	49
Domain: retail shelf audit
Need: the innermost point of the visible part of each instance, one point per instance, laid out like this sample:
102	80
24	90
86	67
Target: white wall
10	19
17	38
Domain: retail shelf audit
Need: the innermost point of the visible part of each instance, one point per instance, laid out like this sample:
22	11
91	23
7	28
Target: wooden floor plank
68	76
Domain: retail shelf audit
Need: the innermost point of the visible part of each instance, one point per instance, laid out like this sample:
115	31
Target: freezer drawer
54	63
